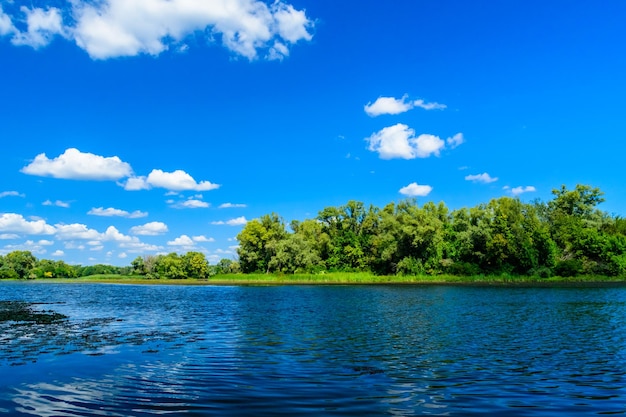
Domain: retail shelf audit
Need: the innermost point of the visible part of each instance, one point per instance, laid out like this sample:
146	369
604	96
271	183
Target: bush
410	266
568	268
541	272
462	269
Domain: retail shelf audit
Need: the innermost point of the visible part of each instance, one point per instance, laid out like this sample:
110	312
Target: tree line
21	264
566	236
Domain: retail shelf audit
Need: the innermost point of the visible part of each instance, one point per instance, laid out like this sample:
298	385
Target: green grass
345	278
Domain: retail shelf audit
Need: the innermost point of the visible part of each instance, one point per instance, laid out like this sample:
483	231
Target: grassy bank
347	278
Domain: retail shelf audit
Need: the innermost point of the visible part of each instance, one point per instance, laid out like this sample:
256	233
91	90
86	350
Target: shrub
568	268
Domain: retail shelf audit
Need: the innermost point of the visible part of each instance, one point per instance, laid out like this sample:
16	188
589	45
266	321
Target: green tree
294	254
195	265
258	242
22	262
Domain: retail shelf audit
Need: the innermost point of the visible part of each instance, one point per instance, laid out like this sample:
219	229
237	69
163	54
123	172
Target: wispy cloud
521	189
482	178
232	205
113	212
57	203
391	105
190	203
11	194
239	221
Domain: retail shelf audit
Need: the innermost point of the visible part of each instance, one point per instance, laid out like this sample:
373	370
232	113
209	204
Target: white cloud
11	194
139	247
426	145
136	184
112	234
6	25
399	141
42	27
231	205
428	106
122	255
416	190
455	141
149	229
8	236
202	238
391	105
483	178
191	203
182	240
77	165
239	221
58	253
110	212
521	190
114	28
15	223
178	180
57	203
44	242
393	142
76	231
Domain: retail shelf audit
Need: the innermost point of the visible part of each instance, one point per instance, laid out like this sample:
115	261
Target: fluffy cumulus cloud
76	231
238	221
150	229
178	180
482	178
416	190
114	28
16	223
41	27
113	212
399	141
182	240
76	165
391	105
202	238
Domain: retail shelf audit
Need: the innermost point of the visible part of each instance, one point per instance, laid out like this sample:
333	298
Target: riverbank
351	278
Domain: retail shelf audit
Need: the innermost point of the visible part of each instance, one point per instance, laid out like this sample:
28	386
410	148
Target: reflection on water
380	350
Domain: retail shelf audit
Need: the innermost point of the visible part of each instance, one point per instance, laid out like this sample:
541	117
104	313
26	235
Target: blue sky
138	127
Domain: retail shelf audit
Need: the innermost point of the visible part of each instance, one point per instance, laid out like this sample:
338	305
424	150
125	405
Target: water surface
315	350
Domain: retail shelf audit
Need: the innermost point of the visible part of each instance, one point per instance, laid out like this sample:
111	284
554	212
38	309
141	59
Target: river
314	350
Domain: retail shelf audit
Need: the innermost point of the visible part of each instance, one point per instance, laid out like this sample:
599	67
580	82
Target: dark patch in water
20	311
27	333
367	370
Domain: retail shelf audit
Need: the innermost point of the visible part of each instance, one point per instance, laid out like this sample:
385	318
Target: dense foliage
24	265
567	236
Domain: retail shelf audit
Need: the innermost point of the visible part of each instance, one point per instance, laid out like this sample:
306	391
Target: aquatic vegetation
26	333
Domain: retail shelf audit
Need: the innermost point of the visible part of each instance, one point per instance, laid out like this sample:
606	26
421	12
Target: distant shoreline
342	278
